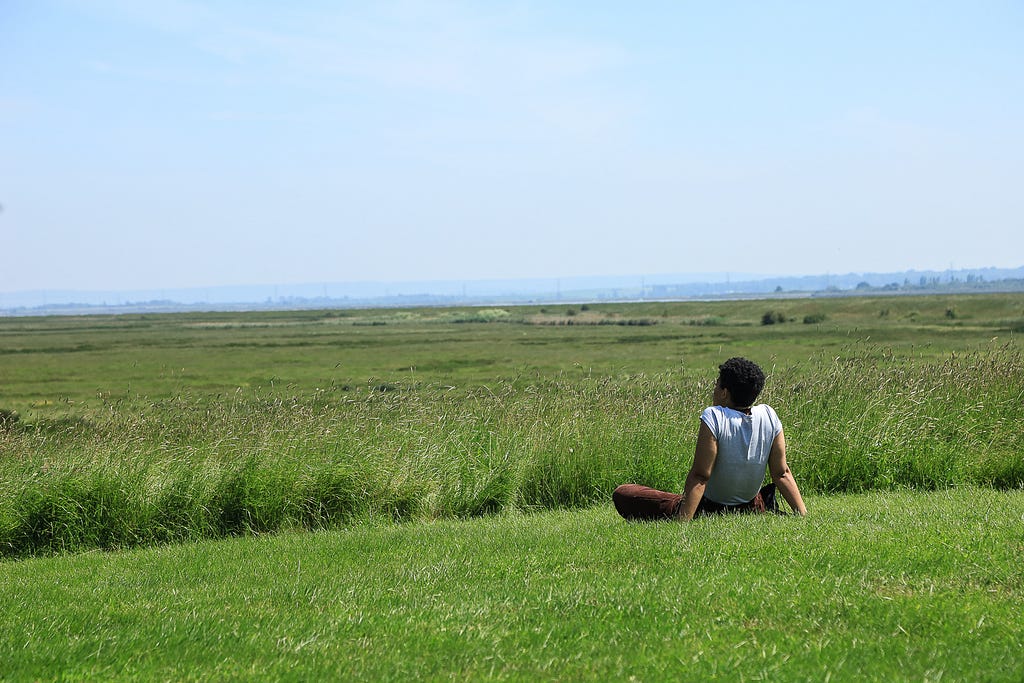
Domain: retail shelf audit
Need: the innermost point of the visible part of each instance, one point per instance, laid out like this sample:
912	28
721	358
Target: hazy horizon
508	290
178	144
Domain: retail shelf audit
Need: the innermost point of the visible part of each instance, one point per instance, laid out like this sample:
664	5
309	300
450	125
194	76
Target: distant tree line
935	283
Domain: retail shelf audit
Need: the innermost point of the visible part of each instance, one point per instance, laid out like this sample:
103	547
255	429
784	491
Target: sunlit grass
396	495
55	367
872	587
182	469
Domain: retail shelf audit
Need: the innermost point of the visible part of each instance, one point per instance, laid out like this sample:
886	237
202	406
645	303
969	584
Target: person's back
744	444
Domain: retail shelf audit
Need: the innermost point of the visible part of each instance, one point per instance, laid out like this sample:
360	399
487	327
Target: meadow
425	492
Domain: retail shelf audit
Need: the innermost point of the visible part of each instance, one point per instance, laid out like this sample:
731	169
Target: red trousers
634	501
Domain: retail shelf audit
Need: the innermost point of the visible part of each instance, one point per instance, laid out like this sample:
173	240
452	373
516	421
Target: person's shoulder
712	416
712	411
768	412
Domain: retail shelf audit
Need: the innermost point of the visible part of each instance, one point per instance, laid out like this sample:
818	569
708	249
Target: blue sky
179	143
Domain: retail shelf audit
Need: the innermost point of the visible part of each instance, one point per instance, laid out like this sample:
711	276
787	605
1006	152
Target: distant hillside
524	291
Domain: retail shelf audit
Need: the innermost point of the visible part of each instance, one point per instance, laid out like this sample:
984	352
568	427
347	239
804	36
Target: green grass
870	587
213	458
54	367
424	493
147	473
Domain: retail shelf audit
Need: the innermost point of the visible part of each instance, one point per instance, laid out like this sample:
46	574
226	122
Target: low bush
707	321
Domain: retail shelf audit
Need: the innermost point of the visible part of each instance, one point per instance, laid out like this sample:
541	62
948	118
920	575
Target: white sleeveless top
744	443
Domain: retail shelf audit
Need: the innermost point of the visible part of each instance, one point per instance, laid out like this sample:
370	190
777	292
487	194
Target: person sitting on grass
736	443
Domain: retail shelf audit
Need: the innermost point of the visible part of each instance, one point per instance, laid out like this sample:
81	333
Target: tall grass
192	467
880	422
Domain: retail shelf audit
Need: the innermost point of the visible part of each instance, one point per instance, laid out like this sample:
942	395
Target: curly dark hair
743	378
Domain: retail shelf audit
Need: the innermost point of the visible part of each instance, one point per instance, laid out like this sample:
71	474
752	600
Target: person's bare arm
783	478
700	472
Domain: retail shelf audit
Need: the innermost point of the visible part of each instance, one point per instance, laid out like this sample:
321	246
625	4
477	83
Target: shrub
773	317
629	322
706	321
814	318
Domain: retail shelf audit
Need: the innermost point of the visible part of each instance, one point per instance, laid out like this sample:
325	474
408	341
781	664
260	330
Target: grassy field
128	431
882	586
52	367
424	493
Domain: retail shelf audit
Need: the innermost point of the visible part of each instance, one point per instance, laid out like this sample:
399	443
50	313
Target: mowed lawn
883	586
